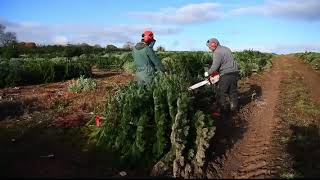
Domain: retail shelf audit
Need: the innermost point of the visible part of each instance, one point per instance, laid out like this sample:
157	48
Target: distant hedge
36	71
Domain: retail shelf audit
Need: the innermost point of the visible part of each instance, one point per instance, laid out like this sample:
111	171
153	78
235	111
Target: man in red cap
145	59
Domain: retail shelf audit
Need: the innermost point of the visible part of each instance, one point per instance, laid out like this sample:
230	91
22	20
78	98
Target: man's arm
155	60
216	63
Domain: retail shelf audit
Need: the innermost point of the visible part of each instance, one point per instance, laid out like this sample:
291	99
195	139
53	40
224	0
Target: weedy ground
300	134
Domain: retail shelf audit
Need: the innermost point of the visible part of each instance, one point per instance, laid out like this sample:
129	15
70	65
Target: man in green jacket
145	59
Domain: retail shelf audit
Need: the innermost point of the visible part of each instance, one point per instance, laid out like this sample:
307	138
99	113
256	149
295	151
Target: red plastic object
98	120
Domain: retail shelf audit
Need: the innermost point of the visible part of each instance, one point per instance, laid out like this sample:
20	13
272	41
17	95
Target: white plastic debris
123	173
48	156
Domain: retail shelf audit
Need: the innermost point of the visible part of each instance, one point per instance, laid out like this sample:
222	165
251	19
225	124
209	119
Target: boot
216	113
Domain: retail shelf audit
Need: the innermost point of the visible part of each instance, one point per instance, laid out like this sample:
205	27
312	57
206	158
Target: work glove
206	74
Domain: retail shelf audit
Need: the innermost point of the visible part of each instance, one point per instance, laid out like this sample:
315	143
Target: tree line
11	48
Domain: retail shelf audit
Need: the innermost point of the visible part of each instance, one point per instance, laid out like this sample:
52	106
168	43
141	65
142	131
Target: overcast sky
267	25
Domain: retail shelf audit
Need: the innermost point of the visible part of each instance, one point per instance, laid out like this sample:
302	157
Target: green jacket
146	62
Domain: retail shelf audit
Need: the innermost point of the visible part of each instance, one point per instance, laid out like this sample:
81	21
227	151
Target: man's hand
206	74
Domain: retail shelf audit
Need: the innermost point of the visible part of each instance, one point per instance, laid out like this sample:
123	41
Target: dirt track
252	152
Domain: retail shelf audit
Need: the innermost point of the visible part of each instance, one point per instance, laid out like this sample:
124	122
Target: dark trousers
227	86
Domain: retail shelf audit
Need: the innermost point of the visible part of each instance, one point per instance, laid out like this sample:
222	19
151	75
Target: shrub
82	85
129	67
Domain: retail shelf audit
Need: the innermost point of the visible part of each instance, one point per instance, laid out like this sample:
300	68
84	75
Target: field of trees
161	124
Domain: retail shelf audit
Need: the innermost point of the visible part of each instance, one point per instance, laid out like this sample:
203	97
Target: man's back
140	56
227	62
146	62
